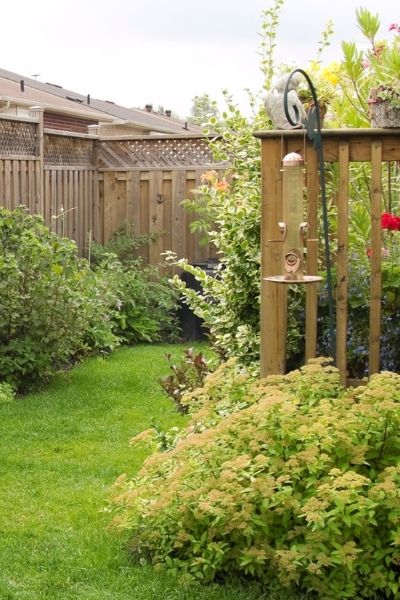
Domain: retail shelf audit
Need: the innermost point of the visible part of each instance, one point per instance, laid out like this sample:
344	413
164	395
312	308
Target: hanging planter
384	103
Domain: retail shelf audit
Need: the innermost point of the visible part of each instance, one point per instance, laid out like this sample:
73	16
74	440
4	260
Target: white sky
165	52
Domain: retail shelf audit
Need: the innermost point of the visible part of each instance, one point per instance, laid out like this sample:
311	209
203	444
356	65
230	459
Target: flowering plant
385	93
291	480
326	81
390	222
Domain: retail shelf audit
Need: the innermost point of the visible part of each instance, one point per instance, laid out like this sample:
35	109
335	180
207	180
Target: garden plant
280	488
56	309
227	205
290	480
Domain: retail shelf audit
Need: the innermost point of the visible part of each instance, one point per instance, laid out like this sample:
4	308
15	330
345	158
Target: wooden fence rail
343	147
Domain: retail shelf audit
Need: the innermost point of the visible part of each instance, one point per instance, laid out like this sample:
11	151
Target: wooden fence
87	187
342	147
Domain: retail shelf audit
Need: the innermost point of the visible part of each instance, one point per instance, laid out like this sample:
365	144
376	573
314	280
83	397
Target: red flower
394	26
389	221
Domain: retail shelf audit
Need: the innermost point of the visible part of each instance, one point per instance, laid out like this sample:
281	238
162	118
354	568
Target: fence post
94	130
37	112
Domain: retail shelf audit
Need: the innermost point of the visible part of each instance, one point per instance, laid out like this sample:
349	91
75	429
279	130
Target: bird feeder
293	228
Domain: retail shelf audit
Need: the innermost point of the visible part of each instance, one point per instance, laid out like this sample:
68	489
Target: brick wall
66	123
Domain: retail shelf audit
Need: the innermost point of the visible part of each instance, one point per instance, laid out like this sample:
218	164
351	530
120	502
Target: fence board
23	182
273	295
7	183
376	257
167	216
30	202
133	201
179	215
97	229
156	216
342	252
39	191
15	170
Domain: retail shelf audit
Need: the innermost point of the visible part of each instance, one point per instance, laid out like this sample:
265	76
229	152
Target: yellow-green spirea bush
291	480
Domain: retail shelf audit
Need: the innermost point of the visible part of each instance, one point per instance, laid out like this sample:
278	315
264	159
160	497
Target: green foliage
229	302
203	108
184	376
145	305
124	245
367	76
290	480
6	393
51	305
269	25
358	334
368	24
227	211
359	269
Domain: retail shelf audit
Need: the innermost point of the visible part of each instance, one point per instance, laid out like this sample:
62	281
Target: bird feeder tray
284	279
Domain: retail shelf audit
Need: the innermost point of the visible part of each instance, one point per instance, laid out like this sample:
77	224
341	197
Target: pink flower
395	27
365	64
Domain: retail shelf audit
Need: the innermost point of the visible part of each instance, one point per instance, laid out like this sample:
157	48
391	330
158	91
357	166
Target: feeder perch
293	228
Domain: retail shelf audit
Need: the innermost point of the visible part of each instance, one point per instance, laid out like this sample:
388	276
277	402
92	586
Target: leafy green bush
291	480
52	306
145	310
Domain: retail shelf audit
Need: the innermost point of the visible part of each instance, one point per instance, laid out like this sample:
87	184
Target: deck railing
343	147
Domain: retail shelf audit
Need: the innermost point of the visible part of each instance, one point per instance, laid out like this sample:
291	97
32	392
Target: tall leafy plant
51	303
228	209
145	309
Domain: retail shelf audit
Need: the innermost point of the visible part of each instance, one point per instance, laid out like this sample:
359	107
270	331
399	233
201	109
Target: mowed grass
60	451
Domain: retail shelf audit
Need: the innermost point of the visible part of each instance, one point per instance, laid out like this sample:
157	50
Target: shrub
52	307
146	305
290	480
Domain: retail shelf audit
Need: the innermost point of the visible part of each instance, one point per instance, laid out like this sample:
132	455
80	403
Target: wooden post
37	113
312	251
273	295
342	244
376	257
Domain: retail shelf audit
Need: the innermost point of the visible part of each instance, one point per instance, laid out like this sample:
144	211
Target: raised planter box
384	115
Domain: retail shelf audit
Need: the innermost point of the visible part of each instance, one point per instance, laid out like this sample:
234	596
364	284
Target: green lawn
60	450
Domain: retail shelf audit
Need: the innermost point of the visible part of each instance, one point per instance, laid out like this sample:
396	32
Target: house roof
64	98
11	89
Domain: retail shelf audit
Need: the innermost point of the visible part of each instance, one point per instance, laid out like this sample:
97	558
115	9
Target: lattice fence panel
65	151
160	153
17	138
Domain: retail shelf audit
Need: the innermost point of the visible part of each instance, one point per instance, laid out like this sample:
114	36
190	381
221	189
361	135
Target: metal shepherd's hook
313	127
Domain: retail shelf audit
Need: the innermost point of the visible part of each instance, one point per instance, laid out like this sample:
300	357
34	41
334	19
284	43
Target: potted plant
384	105
325	81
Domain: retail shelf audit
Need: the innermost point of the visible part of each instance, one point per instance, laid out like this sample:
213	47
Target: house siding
66	123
